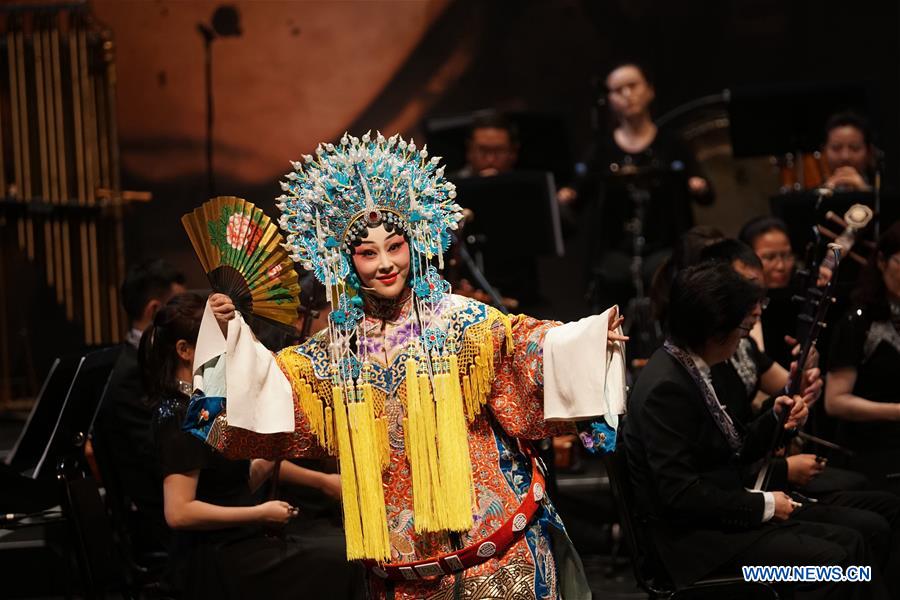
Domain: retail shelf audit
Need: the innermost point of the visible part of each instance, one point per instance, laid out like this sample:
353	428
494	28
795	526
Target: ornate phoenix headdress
331	199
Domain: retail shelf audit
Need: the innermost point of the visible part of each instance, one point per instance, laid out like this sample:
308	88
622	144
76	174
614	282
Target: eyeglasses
770	257
487	151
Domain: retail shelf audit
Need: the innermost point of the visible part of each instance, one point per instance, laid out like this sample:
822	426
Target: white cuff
769	510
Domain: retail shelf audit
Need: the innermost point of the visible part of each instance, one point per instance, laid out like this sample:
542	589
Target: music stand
79	408
33	438
537	132
516	212
772	120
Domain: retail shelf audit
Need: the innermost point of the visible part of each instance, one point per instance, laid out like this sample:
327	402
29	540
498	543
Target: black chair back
649	572
646	565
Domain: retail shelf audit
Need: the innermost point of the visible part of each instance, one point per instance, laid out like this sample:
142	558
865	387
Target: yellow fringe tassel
329	430
428	433
384	444
349	491
367	457
416	442
453	447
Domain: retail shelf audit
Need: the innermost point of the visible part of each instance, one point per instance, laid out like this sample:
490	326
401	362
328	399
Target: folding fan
241	251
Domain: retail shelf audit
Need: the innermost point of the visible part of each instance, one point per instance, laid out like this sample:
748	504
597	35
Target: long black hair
179	319
871	293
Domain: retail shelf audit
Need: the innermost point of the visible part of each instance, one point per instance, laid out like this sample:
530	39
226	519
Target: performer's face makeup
382	262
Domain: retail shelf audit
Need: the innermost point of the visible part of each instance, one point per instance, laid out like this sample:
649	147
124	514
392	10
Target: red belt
495	545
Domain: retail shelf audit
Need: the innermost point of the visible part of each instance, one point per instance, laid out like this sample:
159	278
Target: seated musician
221	544
768	237
686	453
492	147
849	153
865	354
839	494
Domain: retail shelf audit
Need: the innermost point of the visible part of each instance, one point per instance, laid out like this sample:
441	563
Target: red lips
388	279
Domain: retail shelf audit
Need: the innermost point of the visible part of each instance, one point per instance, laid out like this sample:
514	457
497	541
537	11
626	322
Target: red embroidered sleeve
517	396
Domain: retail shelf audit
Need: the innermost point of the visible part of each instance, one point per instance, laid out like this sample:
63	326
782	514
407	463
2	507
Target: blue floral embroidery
200	414
457	313
598	438
346	316
431	287
434	339
349	368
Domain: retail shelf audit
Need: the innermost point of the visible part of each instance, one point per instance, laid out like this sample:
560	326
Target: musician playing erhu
686	454
426	398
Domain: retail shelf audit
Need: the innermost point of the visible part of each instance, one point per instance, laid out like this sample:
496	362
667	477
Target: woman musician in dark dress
861	389
655	161
224	545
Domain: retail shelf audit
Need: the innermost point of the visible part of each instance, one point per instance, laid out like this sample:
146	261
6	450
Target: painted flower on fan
242	233
345	316
274	271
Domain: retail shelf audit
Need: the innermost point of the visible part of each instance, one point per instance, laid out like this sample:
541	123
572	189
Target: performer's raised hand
223	309
615	321
276	512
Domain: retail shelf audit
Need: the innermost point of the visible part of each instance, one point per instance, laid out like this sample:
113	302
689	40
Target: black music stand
516	212
543	141
516	220
33	438
78	411
773	120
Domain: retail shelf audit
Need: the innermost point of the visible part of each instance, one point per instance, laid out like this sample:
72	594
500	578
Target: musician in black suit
836	495
686	454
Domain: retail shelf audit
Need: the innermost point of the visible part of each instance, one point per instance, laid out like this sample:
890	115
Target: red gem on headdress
373	216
